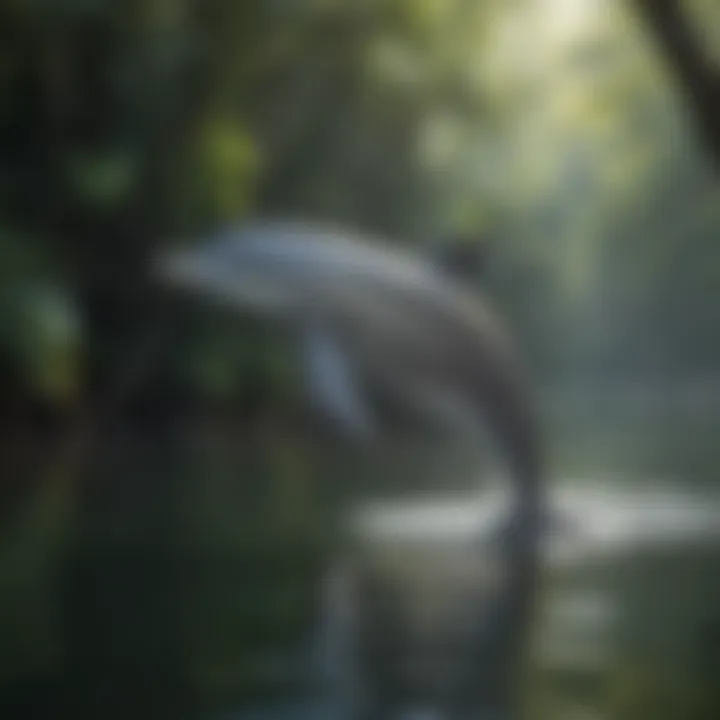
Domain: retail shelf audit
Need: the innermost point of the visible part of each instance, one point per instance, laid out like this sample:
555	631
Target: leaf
41	333
51	342
103	180
229	161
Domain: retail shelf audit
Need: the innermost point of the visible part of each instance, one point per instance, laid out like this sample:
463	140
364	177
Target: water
629	618
633	577
603	538
207	551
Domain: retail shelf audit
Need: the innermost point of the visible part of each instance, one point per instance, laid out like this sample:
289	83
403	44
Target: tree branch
699	81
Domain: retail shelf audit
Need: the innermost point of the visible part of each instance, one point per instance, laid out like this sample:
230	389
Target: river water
628	624
202	557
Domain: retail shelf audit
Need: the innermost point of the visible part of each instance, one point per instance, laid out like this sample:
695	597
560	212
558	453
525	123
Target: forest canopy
563	135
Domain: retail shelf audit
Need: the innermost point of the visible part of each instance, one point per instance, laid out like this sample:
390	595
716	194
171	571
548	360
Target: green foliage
39	325
227	164
103	181
48	340
412	118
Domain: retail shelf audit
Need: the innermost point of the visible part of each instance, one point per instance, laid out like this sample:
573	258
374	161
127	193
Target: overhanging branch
698	79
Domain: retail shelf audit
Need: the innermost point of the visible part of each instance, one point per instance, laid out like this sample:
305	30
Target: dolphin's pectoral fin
331	382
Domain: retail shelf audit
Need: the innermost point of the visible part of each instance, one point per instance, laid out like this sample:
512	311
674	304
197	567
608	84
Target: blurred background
165	508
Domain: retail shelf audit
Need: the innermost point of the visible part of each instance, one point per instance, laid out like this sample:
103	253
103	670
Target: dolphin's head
237	268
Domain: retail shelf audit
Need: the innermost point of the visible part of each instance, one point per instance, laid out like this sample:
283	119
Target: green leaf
229	161
51	341
103	180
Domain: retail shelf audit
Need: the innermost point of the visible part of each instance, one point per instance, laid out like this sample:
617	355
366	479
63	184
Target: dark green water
194	569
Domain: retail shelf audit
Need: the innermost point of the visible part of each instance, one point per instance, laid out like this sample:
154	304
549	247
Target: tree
671	27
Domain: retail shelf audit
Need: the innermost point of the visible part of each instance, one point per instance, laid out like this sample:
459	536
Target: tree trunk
699	81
